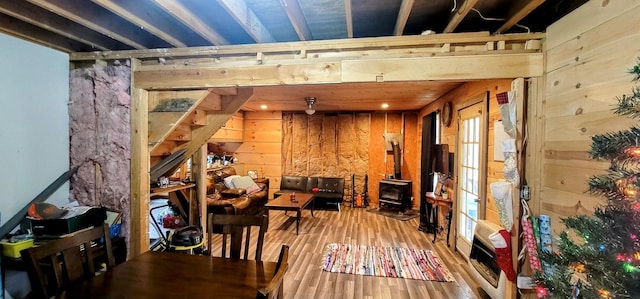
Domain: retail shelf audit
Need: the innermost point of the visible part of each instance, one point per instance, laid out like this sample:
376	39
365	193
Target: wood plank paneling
448	135
263	150
582	81
589	16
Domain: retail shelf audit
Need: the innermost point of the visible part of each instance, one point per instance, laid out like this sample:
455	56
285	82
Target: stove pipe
396	159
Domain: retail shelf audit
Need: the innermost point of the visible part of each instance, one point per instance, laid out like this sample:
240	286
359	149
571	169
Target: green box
77	218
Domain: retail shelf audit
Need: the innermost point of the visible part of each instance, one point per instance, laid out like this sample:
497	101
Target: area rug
384	261
403	216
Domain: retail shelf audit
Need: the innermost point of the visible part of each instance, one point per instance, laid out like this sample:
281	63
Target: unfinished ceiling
99	25
112	25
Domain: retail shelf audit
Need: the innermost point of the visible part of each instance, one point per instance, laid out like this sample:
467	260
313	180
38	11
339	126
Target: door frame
482	97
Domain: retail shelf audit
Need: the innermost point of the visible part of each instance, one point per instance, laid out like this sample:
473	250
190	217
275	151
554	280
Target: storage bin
13	249
114	230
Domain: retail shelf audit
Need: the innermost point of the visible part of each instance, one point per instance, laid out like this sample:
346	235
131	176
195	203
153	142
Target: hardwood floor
305	278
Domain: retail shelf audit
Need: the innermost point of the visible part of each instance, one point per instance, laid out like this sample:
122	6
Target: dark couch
222	200
330	189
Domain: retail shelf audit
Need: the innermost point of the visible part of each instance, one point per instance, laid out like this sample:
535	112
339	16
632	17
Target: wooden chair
234	225
58	263
273	289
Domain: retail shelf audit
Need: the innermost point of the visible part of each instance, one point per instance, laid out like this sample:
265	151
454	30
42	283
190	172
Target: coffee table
284	203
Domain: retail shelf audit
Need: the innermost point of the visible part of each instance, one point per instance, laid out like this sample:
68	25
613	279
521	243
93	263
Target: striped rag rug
384	261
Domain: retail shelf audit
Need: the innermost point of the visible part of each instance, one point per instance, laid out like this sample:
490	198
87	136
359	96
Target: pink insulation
100	137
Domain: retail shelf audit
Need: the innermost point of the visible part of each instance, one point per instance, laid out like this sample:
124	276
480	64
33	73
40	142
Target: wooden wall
261	147
458	97
588	54
381	161
343	144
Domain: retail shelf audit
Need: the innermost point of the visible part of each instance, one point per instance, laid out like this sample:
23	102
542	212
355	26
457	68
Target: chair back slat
55	264
274	288
246	243
235	226
74	265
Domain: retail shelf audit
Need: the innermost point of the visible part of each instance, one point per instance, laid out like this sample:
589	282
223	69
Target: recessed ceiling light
385	106
263	106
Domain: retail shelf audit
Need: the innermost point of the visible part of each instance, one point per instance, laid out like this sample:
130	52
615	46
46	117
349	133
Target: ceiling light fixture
263	106
311	105
384	106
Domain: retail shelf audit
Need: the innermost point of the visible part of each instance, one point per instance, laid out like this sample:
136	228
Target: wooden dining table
176	275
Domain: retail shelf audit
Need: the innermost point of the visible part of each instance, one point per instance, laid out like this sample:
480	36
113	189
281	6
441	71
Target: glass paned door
471	174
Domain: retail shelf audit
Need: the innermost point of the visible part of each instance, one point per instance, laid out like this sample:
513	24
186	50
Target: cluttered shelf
170	188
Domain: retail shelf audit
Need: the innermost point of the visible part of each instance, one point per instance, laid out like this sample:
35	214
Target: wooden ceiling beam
469	66
136	13
459	15
296	17
403	16
517	12
89	16
349	18
320	45
18	28
247	20
42	18
184	15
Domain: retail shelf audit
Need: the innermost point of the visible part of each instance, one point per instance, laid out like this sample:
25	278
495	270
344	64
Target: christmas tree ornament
575	291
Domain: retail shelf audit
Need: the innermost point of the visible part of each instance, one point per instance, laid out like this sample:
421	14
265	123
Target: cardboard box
13	249
75	219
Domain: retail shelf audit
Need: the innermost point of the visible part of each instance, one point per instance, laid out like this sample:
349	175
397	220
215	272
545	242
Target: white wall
34	123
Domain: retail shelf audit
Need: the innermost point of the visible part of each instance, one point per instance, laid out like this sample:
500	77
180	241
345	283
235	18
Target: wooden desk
174	275
283	202
437	201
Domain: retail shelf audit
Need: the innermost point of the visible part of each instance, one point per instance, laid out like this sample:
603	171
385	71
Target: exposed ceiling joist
88	16
459	15
518	11
37	16
299	23
138	25
403	16
248	20
135	12
349	18
15	27
192	21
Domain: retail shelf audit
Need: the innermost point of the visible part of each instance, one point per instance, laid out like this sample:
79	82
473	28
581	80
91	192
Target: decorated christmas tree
598	256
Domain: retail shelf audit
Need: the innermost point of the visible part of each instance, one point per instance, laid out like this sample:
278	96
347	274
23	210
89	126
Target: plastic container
114	230
13	249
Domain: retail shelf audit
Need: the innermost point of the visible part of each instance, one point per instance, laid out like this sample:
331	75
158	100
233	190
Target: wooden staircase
181	122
